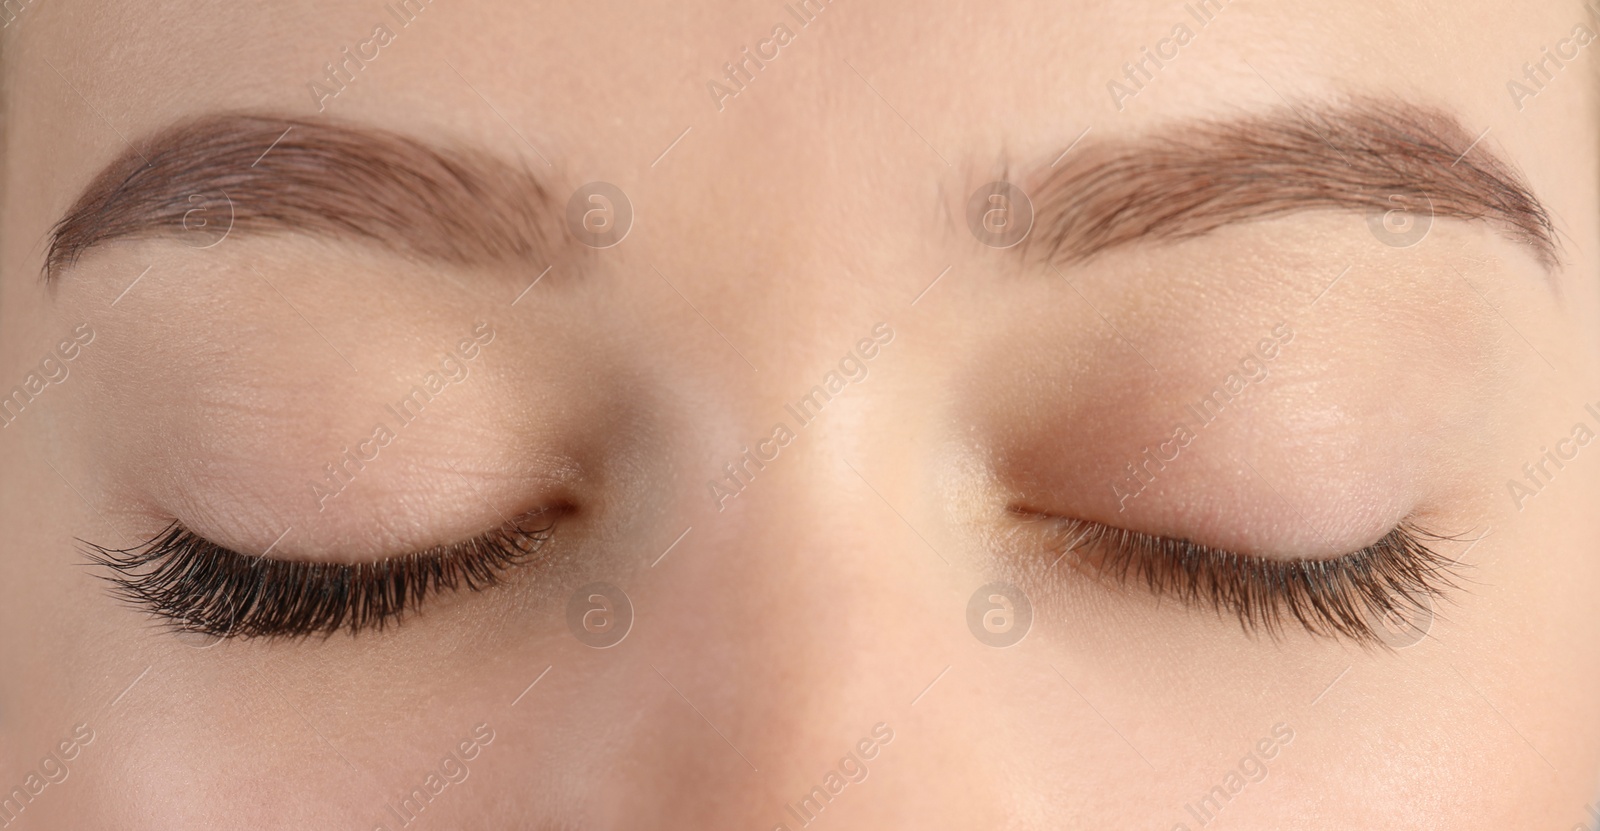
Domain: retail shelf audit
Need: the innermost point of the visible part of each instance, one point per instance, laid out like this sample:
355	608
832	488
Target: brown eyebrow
1192	178
451	205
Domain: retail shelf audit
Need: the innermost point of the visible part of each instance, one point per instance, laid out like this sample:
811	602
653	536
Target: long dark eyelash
1344	596
198	586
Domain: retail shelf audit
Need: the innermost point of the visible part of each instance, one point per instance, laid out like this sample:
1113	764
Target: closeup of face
774	415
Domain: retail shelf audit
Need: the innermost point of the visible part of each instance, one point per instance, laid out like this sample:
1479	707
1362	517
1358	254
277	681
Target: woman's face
468	414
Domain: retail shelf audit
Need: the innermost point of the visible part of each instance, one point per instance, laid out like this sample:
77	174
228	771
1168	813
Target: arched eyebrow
1369	155
348	182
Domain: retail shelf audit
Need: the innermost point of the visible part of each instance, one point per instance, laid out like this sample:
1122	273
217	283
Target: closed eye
198	586
1347	596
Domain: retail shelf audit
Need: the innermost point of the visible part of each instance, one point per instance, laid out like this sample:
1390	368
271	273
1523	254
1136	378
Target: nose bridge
810	566
818	595
824	613
789	616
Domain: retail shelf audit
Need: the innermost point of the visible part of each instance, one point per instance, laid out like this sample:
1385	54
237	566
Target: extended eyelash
1344	596
199	586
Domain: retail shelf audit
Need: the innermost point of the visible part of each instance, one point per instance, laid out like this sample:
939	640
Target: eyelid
1336	597
199	586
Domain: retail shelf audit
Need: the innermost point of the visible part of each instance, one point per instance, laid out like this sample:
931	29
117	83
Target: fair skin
830	593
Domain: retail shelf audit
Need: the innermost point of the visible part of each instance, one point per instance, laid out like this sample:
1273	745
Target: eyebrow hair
1190	178
282	175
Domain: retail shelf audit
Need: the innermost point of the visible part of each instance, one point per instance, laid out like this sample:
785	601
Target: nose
801	636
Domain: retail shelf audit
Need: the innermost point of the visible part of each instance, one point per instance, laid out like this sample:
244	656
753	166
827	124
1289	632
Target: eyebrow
342	182
1368	155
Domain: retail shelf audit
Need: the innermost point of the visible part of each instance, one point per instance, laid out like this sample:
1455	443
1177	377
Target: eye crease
198	586
1341	597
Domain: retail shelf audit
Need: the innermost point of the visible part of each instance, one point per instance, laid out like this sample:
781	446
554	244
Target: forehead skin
819	201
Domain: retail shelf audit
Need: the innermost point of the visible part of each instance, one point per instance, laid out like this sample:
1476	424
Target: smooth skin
829	596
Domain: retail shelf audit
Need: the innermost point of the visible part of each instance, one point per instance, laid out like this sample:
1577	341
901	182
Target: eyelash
199	586
1341	597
